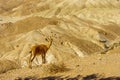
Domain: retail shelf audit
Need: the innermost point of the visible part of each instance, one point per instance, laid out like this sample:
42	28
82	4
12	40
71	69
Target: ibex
40	50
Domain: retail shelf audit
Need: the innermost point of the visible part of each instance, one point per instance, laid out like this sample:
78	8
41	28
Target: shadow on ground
78	77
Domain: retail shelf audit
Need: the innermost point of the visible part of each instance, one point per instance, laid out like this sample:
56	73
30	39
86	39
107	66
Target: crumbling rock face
78	28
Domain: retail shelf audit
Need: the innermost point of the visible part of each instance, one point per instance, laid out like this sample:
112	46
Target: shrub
56	67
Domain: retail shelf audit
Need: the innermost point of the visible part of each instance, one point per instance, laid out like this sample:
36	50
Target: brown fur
39	50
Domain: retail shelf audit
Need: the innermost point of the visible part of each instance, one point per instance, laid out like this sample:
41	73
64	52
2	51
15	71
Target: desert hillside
85	34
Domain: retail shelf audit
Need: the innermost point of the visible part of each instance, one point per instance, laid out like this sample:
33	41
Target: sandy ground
101	66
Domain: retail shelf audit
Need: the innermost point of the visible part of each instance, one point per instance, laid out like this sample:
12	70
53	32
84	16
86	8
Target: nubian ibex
40	50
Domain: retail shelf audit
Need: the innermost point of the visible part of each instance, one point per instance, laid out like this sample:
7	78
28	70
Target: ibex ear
30	51
46	39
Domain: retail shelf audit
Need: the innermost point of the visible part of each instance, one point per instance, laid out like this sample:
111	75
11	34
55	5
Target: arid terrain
85	34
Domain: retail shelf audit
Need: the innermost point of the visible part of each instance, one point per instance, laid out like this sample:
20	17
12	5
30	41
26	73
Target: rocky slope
79	29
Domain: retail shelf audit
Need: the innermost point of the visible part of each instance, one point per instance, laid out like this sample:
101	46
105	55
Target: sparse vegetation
56	67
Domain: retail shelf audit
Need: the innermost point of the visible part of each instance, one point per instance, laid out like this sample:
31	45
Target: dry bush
6	65
55	68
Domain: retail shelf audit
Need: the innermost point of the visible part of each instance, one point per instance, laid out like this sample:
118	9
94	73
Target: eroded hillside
79	29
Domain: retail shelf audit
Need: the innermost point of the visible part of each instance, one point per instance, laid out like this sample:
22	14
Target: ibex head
30	51
49	39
